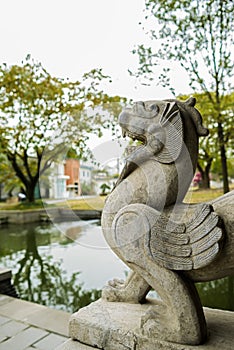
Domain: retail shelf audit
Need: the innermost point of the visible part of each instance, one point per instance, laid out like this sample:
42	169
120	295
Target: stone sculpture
167	244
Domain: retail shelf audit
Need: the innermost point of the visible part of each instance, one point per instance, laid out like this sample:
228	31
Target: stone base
116	326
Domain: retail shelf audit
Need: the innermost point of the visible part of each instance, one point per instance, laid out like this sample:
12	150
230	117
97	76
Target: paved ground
29	326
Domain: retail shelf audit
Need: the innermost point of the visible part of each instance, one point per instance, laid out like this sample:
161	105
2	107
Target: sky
71	37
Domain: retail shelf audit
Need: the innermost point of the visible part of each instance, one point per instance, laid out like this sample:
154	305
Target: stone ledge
116	326
6	287
48	214
5	274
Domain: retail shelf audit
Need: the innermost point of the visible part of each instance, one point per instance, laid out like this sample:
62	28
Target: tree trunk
205	183
29	181
205	173
30	192
223	158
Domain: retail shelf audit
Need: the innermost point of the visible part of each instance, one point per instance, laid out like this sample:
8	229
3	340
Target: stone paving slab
53	320
4	299
12	327
4	320
19	309
34	314
2	338
28	326
23	339
52	341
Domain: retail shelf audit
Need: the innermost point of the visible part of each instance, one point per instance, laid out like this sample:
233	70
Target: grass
94	203
200	195
97	203
38	204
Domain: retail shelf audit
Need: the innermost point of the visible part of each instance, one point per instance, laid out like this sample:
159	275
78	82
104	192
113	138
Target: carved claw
116	283
133	290
116	290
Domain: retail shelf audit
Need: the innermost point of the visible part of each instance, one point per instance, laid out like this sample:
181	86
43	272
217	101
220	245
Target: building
85	174
80	175
72	170
58	179
65	180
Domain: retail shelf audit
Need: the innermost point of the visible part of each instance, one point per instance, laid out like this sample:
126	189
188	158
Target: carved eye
141	103
154	108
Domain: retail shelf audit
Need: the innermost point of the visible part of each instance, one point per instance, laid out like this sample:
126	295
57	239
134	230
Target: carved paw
117	290
116	283
133	290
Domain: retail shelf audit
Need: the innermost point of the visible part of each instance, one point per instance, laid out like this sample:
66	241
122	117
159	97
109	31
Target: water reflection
66	265
56	270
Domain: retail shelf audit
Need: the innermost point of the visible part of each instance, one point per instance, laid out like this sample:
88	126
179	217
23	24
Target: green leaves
40	114
198	34
209	147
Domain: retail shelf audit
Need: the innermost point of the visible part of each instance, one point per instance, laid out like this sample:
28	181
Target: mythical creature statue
167	244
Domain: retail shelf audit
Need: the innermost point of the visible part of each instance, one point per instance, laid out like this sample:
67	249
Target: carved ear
191	101
172	126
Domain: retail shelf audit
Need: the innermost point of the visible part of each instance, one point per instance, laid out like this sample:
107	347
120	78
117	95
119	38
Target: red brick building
72	169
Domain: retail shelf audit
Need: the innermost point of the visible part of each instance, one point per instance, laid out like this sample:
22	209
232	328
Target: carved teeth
127	133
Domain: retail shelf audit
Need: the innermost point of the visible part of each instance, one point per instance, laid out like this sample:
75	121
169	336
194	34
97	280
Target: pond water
65	265
50	261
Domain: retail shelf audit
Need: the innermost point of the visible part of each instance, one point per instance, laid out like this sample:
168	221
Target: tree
8	180
208	146
199	35
41	114
104	187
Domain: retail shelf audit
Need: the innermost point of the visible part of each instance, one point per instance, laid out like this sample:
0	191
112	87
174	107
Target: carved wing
186	246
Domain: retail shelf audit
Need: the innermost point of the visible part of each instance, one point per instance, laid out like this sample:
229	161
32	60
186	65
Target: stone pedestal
117	326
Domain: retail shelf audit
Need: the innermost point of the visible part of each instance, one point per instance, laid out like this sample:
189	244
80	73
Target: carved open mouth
133	135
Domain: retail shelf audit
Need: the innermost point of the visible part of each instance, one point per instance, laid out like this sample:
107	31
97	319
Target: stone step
115	326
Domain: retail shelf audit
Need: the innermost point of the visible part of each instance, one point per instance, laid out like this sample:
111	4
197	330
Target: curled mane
188	106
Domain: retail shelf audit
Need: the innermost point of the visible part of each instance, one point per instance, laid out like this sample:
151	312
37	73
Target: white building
85	174
58	188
